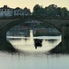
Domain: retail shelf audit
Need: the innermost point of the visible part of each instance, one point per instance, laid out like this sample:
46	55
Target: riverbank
47	34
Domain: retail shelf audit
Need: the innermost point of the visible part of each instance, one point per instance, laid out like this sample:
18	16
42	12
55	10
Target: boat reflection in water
37	43
34	44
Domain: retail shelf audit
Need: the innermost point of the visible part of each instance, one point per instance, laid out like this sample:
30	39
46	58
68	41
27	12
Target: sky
31	3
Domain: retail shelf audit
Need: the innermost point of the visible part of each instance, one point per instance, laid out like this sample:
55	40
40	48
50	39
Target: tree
27	11
59	13
36	9
51	10
64	12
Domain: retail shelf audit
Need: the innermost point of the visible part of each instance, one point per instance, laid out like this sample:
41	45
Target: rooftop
5	7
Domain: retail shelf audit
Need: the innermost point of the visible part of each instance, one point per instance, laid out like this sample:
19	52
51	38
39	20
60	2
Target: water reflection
34	44
52	40
42	61
37	43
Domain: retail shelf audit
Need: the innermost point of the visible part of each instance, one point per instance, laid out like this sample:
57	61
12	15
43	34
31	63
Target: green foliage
50	11
26	10
38	10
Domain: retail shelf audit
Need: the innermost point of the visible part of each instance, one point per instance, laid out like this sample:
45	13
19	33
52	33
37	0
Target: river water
32	44
30	57
33	61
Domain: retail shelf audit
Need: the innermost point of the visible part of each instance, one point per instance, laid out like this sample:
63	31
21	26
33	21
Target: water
42	44
31	58
32	61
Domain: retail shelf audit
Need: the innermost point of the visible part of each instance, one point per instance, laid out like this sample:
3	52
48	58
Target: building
5	11
21	12
18	12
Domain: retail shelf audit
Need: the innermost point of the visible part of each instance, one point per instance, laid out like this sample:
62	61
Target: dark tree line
50	11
